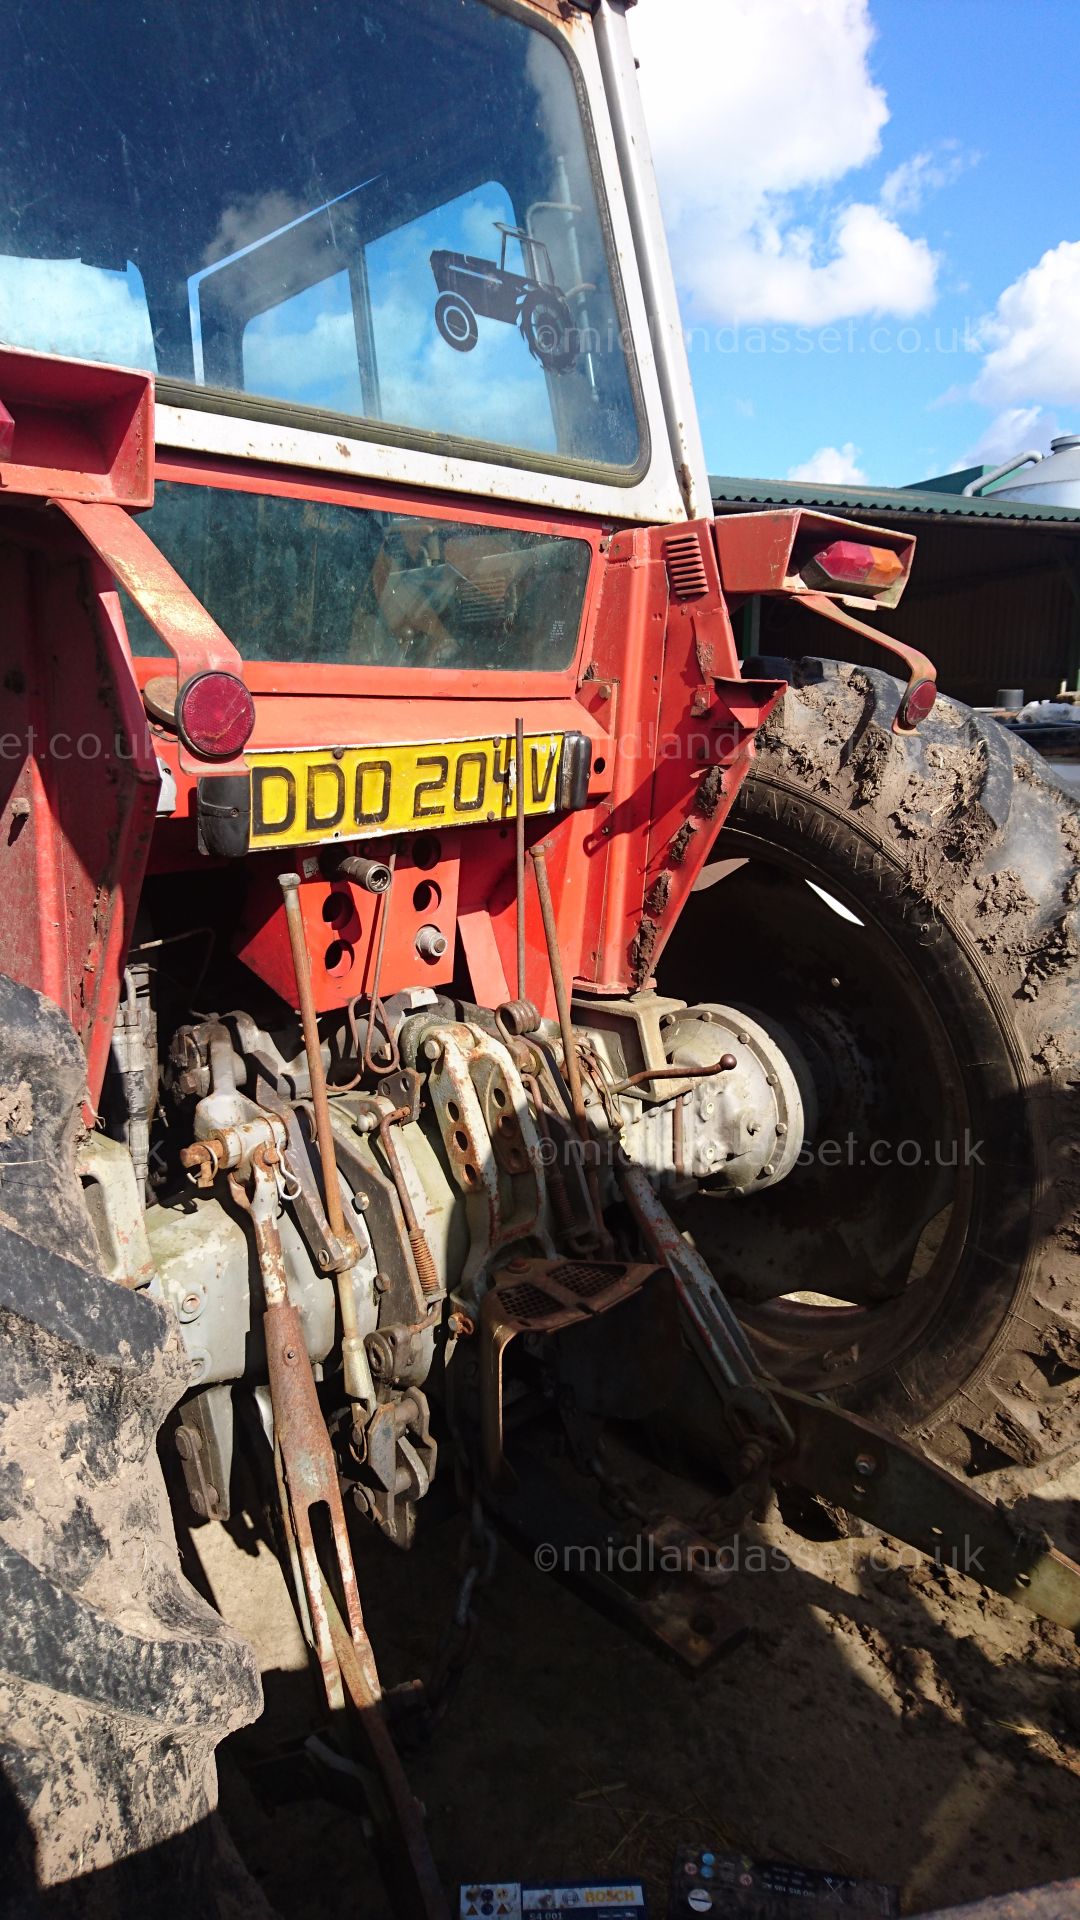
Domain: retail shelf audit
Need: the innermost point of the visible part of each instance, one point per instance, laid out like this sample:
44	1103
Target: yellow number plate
303	795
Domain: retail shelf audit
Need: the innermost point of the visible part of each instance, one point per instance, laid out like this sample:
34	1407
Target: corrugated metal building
994	597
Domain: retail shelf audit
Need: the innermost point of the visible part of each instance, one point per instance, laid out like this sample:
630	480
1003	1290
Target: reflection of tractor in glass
531	300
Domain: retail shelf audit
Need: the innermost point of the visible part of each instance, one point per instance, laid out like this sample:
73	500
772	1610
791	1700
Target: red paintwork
342	923
76	431
764	552
768	552
142	570
654	684
78	781
657	667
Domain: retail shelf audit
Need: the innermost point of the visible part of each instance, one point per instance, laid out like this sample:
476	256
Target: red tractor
449	999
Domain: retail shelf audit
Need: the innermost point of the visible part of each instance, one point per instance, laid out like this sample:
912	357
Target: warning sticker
495	1900
507	1900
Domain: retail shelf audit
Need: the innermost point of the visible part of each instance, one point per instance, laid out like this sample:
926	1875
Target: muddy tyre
928	972
116	1679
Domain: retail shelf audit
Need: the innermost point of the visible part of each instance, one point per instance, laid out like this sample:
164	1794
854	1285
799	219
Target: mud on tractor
435	965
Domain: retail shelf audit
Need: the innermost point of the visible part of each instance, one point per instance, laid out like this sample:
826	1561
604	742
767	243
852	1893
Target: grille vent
685	565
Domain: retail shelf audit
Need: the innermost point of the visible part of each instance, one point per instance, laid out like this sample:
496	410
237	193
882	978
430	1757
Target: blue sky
874	212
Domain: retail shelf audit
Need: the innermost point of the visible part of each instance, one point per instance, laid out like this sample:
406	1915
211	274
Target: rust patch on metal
657	897
680	842
710	793
642	948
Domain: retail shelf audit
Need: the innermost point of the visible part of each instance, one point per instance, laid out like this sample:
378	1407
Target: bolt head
865	1465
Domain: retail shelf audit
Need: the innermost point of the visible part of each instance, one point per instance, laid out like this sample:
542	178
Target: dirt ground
882	1716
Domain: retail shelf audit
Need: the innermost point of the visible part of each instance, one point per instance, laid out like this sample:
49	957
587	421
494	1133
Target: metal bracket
871	1473
539	1296
162	597
204	1442
922	673
492	1144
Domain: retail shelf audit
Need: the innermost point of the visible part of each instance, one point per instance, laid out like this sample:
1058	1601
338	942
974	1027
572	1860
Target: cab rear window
314	581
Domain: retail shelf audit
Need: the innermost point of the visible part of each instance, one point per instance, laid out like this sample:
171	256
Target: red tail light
215	714
848	563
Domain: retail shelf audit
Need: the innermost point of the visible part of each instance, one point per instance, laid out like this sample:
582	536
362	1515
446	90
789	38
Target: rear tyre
943	1013
116	1680
456	322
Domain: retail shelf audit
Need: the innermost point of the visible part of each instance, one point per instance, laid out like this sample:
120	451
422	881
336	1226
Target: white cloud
866	265
832	466
750	103
906	187
65	306
1033	336
1012	431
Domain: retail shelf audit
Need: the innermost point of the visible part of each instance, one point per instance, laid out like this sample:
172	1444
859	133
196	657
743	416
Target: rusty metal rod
726	1064
309	1021
375	1012
427	1271
519	842
572	1063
